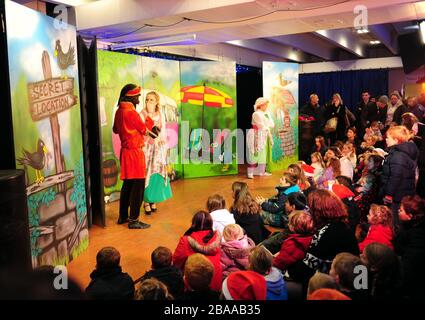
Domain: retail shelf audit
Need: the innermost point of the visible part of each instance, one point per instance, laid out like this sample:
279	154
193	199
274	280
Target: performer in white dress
259	139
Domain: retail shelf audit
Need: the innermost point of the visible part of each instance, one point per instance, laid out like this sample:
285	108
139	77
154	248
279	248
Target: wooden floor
168	224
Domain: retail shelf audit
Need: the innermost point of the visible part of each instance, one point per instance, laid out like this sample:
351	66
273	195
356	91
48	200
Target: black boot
138	225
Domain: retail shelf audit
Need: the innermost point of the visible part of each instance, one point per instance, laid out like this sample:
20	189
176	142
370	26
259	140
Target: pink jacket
234	255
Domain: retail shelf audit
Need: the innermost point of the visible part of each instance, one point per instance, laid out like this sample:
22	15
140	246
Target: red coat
293	249
131	129
378	233
211	250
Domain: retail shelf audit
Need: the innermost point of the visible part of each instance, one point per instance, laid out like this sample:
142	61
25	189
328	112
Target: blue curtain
348	83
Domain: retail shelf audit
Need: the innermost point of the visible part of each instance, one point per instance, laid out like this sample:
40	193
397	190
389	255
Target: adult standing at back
395	109
334	115
375	111
361	106
314	112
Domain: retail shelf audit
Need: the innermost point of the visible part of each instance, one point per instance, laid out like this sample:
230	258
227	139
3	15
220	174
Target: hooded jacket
276	286
277	204
293	249
193	243
221	218
110	284
171	276
399	171
234	255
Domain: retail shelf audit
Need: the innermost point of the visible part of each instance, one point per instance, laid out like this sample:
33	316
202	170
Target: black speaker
15	253
412	51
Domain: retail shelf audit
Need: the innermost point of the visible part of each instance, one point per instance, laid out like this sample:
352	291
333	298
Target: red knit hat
342	191
327	294
308	170
245	285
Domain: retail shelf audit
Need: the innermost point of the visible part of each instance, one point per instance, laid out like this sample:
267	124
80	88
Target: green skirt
157	191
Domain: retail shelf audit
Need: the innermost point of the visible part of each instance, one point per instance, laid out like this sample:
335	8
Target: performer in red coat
131	129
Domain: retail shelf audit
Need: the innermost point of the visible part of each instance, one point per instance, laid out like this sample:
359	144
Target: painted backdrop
47	132
280	86
208	98
115	70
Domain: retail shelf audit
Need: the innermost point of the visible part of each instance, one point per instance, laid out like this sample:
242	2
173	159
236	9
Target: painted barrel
110	173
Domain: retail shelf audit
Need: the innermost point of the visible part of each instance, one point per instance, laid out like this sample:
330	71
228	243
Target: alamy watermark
61	280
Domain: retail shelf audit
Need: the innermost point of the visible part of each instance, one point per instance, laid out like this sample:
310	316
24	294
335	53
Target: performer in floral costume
157	183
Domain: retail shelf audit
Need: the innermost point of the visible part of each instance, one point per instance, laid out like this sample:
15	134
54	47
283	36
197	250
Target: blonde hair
399	133
156	95
290	177
337	95
319	157
320	281
233	232
198	272
381	215
152	289
301	222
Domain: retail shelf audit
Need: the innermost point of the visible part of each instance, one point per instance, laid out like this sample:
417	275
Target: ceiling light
362	30
374	42
422	28
183	39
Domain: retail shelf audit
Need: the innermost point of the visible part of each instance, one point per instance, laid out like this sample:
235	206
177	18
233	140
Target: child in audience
327	294
343	192
319	145
332	152
235	249
244	285
384	272
108	281
343	270
273	210
318	164
164	271
410	245
302	180
247	213
399	168
349	151
374	131
294	248
368	184
198	274
296	201
333	169
320	281
216	206
368	143
201	238
260	261
381	227
152	289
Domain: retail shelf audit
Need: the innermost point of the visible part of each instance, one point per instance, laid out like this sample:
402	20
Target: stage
168	224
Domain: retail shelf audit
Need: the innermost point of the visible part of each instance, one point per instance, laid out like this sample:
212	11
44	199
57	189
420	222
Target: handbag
332	123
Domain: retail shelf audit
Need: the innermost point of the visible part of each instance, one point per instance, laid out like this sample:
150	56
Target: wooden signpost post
48	98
